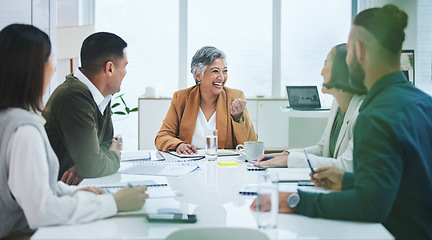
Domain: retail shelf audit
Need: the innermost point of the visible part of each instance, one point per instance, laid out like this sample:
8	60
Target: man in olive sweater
392	179
78	113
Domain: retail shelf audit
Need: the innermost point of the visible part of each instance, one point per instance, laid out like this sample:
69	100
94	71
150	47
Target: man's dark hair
386	24
99	48
339	73
24	50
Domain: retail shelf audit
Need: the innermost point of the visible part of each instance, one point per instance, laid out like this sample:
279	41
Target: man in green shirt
78	113
392	156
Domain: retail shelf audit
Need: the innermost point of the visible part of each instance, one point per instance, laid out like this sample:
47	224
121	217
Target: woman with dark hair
207	105
336	145
30	195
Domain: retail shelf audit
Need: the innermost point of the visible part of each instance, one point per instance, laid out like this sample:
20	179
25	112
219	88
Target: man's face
356	71
119	73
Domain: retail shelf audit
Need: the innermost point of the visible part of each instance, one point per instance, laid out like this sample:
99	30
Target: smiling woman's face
214	78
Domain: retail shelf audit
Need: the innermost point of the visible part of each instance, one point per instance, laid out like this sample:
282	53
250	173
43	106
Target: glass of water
267	200
211	144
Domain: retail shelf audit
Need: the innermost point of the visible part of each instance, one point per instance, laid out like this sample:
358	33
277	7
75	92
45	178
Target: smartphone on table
173	218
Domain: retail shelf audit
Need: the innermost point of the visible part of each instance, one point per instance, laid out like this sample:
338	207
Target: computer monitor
407	65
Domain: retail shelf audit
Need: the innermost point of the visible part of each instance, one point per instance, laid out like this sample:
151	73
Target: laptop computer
304	98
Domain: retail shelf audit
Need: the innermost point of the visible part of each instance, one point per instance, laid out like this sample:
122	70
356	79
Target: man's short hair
386	24
99	48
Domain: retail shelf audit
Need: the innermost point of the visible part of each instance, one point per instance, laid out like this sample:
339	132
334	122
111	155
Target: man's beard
357	73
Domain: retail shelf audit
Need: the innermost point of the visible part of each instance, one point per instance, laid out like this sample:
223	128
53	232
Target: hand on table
114	147
70	177
237	108
278	160
186	149
266	204
329	177
130	198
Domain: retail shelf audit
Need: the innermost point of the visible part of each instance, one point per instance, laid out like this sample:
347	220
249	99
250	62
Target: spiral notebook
154	190
252	167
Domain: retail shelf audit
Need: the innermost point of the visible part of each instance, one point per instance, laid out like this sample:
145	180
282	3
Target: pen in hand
310	166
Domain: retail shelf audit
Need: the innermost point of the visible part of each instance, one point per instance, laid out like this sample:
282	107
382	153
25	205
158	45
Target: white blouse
29	184
201	126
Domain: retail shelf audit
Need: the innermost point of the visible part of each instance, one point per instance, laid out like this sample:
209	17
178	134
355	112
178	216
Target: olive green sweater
78	133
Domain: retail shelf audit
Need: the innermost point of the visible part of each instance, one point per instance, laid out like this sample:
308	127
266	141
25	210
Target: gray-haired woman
205	106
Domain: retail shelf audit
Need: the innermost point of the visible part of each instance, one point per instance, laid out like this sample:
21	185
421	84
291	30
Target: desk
212	194
304	127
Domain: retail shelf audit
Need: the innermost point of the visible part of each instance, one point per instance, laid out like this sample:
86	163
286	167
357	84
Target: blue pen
310	166
267	158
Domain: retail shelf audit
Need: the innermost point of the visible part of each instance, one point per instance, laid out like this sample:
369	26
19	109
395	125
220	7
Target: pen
310	166
267	158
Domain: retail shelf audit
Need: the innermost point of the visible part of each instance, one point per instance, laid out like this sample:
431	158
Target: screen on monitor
407	65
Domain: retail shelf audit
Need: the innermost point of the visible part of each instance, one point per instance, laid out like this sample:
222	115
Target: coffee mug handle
239	151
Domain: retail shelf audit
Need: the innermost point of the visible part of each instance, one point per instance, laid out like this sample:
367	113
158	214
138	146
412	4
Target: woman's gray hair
204	57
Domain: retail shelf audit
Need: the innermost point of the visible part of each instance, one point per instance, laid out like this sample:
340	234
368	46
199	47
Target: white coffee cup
252	150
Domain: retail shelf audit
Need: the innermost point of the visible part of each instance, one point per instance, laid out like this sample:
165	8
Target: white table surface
212	194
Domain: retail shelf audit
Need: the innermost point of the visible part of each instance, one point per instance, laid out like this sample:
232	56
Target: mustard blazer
179	123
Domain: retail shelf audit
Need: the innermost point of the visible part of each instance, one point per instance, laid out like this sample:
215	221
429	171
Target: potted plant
120	103
126	111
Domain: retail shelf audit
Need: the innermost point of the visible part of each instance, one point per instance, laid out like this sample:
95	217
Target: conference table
212	193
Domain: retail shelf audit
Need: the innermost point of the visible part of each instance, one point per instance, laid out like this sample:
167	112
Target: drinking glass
211	146
267	200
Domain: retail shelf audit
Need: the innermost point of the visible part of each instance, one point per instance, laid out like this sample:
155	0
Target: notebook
304	98
154	190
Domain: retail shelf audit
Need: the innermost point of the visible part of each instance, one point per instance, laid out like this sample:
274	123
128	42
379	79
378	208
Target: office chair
217	233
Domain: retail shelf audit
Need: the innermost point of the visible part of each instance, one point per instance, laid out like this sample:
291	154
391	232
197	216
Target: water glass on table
211	146
267	200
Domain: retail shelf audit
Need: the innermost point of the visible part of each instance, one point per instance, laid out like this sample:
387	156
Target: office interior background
269	43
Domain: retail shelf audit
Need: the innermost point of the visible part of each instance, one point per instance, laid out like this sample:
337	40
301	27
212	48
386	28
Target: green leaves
126	111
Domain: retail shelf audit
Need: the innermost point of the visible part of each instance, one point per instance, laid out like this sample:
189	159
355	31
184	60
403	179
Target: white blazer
319	154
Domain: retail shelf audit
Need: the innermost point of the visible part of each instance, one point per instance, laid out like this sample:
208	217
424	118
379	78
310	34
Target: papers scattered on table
201	154
158	168
135	155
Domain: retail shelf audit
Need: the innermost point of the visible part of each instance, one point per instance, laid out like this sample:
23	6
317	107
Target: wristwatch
293	200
